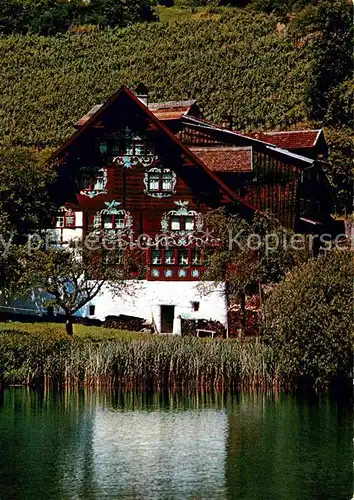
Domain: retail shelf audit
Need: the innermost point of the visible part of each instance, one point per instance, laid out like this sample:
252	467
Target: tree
339	167
330	25
250	254
68	278
49	17
309	317
25	201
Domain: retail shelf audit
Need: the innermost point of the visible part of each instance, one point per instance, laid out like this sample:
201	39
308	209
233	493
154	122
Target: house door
167	316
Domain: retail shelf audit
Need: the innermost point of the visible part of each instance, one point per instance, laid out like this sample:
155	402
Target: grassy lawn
80	331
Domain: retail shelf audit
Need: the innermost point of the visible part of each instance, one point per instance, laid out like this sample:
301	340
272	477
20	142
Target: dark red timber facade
148	172
134	168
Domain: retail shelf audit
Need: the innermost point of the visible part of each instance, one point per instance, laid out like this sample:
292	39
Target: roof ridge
171	104
220	148
289	131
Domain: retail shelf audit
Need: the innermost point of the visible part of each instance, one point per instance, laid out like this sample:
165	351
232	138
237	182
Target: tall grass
153	363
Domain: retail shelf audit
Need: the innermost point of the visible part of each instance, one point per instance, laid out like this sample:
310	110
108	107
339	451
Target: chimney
142	93
227	122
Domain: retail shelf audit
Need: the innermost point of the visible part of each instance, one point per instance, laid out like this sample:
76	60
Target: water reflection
68	445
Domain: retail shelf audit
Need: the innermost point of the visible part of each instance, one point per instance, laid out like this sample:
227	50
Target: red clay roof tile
172	110
231	159
294	139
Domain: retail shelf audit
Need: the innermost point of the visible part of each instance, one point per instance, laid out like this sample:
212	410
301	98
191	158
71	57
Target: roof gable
135	104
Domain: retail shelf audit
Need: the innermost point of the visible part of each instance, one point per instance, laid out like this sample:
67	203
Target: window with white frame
184	223
166	184
107	221
160	180
189	223
156	257
175	222
59	222
116	221
113	218
119	221
153	181
92	180
124	142
138	146
169	257
196	257
182	219
183	259
65	219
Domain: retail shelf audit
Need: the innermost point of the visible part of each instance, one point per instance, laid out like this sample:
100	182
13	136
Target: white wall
145	298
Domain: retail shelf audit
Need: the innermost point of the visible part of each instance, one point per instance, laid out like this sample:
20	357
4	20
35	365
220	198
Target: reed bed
140	363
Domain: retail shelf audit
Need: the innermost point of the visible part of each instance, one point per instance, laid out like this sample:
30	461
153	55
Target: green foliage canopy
310	319
24	197
49	17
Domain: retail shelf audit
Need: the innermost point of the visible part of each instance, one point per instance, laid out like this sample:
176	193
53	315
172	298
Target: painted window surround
113	218
160	182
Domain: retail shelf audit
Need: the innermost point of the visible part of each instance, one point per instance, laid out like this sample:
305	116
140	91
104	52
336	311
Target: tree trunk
69	324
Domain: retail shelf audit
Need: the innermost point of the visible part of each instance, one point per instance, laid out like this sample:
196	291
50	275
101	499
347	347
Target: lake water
88	445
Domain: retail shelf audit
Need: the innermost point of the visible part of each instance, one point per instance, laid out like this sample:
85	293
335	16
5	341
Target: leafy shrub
309	317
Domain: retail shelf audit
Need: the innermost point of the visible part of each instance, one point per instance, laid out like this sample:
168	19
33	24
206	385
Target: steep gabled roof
165	111
94	119
225	159
293	139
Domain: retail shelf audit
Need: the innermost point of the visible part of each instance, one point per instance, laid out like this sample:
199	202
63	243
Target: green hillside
268	72
232	62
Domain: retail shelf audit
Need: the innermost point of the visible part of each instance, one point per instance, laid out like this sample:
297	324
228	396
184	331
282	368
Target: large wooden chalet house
134	167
